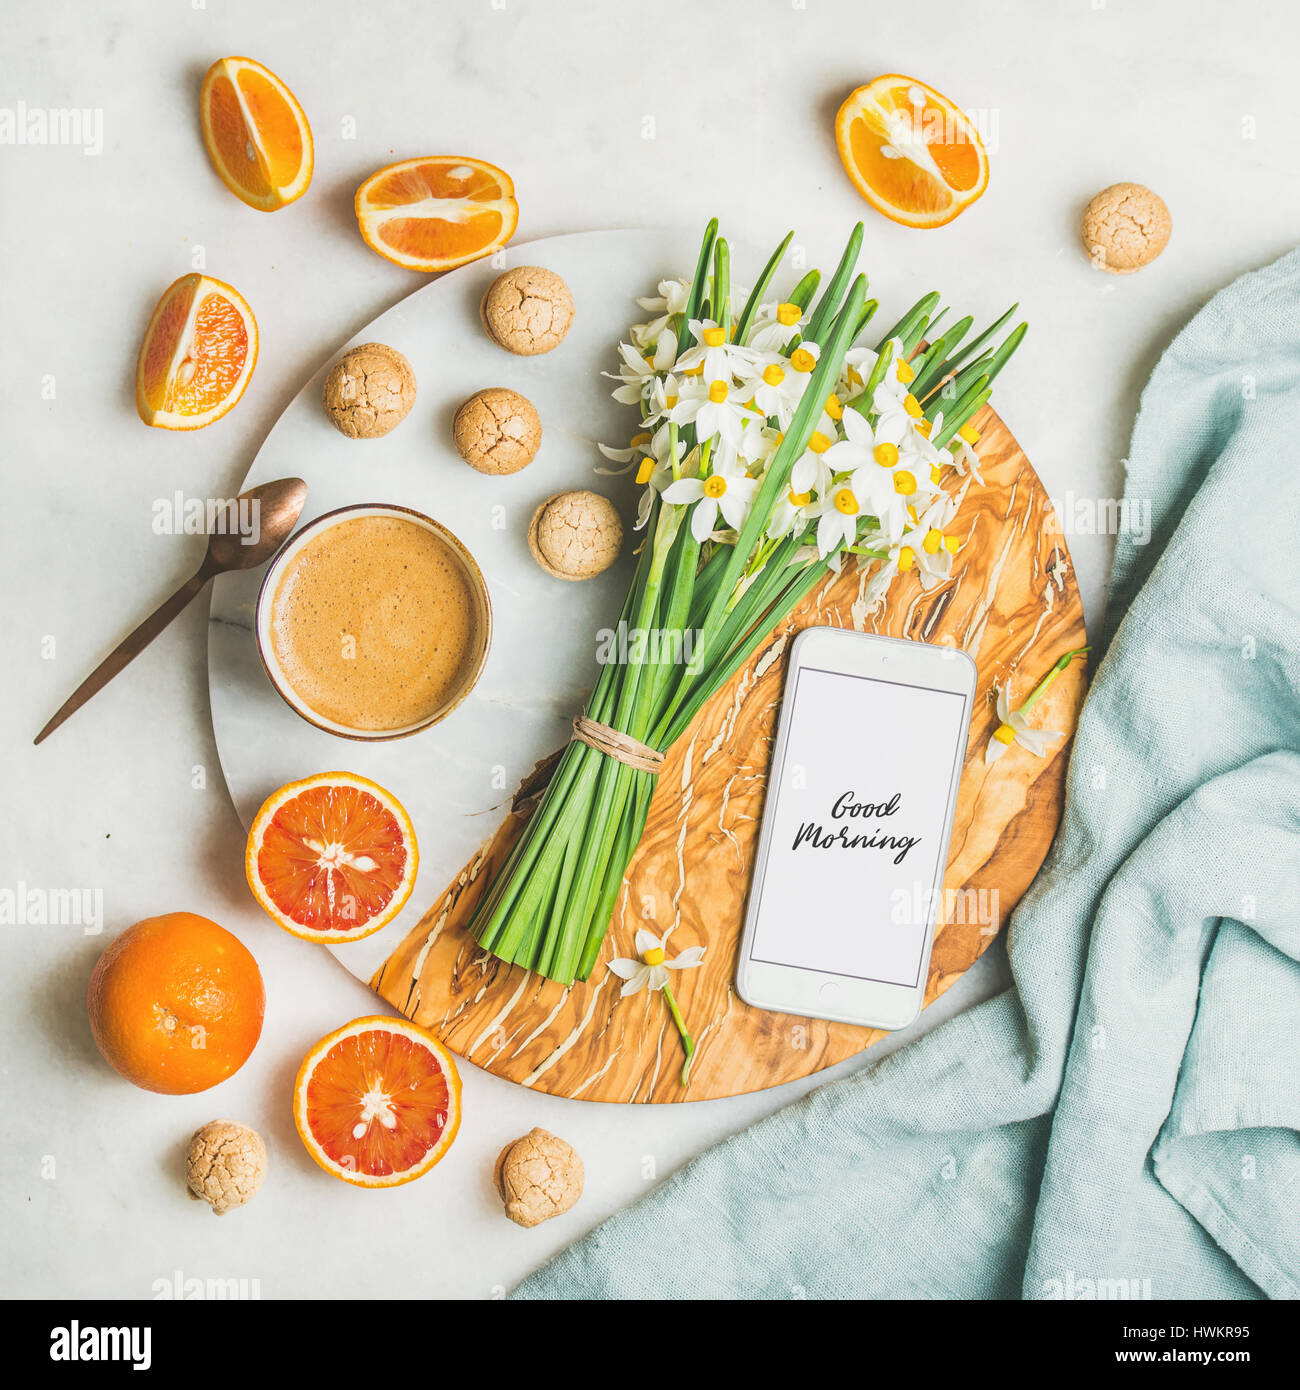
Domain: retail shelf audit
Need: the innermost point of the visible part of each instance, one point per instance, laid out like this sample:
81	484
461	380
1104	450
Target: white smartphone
856	825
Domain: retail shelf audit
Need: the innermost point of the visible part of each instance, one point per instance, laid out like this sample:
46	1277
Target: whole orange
176	1003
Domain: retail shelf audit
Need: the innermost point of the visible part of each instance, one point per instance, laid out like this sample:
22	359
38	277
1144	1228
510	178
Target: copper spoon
277	505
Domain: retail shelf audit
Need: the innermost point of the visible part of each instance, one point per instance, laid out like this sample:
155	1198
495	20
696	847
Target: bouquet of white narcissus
772	446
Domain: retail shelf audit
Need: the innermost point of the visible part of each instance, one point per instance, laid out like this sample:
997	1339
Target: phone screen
857	829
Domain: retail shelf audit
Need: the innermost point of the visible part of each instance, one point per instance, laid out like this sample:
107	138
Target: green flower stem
828	306
1042	687
760	289
912	322
722	285
688	1046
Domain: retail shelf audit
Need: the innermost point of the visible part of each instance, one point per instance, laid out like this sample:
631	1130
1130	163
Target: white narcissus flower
838	514
895	414
863	444
773	325
965	459
925	548
651	968
776	388
728	489
791	514
859	363
714	409
671	299
714	356
1014	728
758	443
918	454
640	371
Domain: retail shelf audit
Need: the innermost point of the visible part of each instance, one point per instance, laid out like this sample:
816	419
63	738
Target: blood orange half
197	355
332	858
377	1102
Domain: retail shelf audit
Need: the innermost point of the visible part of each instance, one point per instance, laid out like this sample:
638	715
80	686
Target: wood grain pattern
1012	603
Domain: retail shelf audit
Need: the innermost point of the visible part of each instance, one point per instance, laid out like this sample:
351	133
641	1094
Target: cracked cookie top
497	431
1125	227
369	391
527	310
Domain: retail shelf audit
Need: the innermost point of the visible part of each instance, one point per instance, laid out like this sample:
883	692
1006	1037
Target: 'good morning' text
818	836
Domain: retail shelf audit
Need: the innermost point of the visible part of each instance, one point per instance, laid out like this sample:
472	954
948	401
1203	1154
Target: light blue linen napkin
1122	1121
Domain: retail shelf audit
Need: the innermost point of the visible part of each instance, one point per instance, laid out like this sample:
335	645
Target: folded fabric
1121	1122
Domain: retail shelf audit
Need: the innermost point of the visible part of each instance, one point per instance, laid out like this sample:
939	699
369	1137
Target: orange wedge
332	858
437	212
910	152
197	356
377	1102
256	134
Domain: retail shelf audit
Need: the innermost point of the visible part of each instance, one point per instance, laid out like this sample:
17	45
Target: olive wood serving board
1011	603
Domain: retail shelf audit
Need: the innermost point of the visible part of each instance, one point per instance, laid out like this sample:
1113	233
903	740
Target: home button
829	993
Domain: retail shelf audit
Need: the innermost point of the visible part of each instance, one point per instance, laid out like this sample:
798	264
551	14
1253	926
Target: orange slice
332	858
377	1102
910	152
437	212
256	134
197	356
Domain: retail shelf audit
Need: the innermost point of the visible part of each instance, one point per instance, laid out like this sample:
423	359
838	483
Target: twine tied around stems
617	745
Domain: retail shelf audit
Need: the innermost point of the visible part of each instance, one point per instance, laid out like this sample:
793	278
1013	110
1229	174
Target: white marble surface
128	798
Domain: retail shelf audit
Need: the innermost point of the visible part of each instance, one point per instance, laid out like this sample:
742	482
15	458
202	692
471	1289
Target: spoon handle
129	648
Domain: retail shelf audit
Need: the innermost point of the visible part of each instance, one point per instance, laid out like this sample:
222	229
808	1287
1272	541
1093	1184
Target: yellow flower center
1004	733
904	483
886	455
819	443
952	544
802	360
752	404
638	439
670	402
648	360
970	434
654	956
714	337
853	378
911	515
912	406
906	559
846	503
905	372
833	407
718	392
773	375
923	428
779	440
715	486
933	540
799	499
787	314
693	371
934	473
647	468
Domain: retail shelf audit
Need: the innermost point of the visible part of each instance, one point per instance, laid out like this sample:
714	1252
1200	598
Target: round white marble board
456	778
